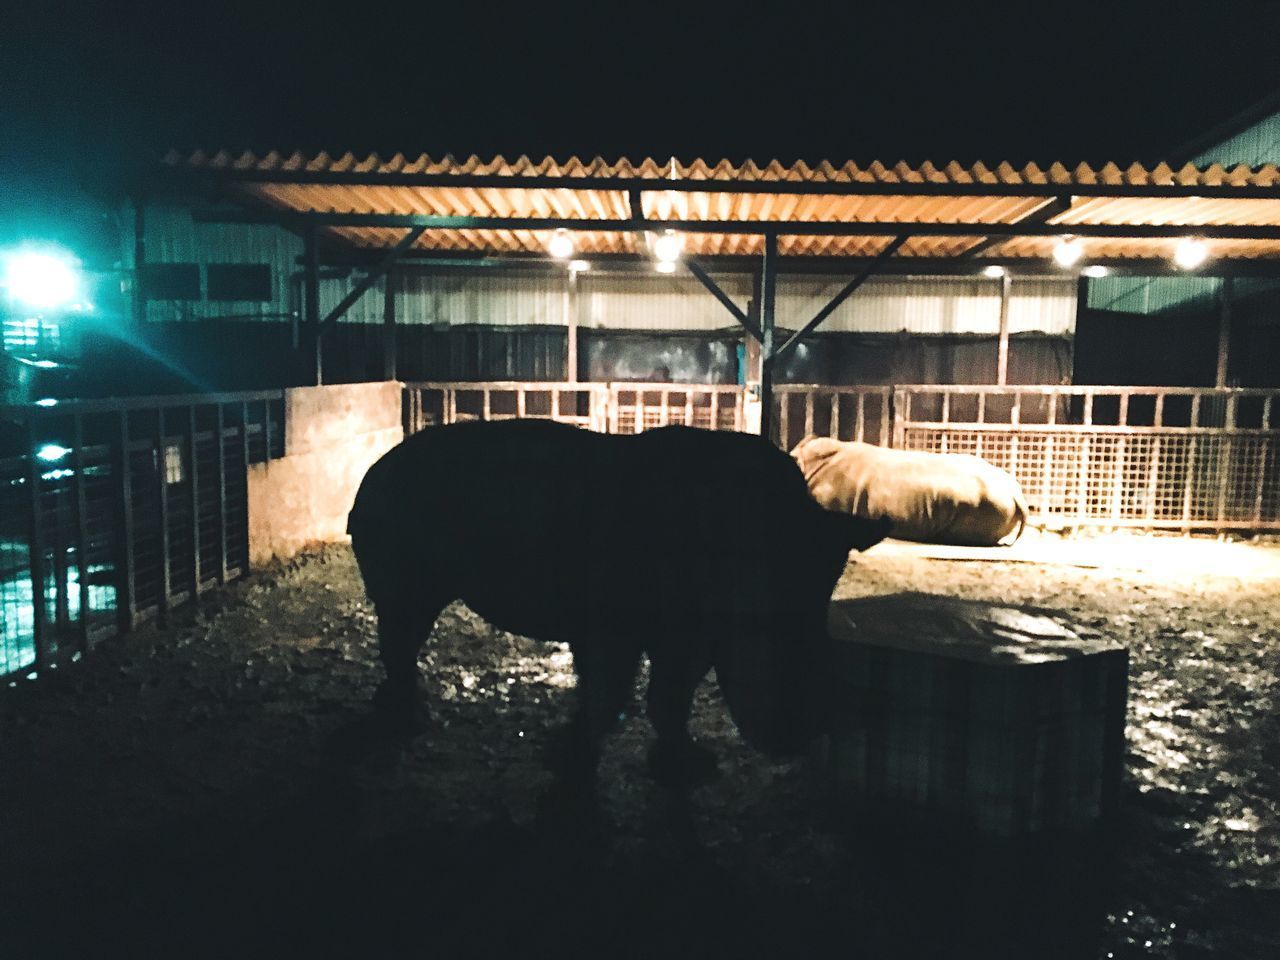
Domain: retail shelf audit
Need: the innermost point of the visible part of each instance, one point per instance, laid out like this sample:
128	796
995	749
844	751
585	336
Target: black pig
697	548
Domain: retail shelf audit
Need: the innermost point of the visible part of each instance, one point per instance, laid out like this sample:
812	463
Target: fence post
126	598
162	507
221	427
35	545
82	531
898	415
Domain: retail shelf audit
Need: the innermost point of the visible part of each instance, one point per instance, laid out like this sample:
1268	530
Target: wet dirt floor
173	795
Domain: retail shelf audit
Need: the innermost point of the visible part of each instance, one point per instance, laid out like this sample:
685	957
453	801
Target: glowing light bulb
995	271
1095	271
578	266
561	245
665	266
51	452
668	247
1190	253
1068	251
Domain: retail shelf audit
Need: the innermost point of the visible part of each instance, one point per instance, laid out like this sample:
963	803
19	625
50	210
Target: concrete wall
332	436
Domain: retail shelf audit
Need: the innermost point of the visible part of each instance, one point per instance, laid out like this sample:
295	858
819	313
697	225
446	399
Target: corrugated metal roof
929	194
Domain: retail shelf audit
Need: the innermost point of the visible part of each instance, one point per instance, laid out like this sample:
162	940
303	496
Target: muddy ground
176	795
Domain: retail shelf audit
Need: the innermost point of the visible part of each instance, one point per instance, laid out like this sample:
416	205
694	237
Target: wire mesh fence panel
1195	480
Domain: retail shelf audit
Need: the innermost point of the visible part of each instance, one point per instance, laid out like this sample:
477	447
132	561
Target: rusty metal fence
604	407
1158	457
114	511
1170	457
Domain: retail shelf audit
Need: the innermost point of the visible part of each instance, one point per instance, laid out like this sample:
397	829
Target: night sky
94	94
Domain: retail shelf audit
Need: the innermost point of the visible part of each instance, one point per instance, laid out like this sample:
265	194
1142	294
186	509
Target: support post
139	261
389	327
1224	331
35	545
311	298
768	294
1002	356
571	327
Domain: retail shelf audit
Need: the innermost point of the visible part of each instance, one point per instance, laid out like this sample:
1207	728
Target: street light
41	280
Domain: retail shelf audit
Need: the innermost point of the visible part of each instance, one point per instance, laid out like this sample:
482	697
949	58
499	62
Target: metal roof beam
718	292
841	297
843	228
359	290
1041	214
627	184
1040	267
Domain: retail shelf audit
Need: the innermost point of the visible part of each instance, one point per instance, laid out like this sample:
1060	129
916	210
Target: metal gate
112	511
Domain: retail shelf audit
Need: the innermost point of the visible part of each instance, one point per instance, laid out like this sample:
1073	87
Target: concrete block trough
1004	720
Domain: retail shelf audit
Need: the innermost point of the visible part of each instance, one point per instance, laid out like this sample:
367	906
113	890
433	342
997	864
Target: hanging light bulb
561	245
1068	251
1190	253
668	247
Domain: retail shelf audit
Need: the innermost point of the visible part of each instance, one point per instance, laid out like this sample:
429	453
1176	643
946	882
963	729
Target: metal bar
162	507
688	408
860	421
1002	354
845	292
375	274
520	402
181	178
126	585
834	428
838	228
718	292
1139	266
82	530
768	296
715	410
192	444
222	495
808	413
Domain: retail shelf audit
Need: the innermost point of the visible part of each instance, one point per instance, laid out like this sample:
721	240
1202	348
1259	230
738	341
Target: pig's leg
402	629
606	673
675	758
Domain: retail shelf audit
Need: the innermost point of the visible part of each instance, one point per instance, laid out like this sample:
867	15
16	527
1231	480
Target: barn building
283	319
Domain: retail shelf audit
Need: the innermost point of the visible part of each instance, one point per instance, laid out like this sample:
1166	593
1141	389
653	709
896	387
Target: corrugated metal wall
1258	144
620	301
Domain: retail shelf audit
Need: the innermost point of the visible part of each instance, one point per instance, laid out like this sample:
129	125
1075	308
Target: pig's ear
859	533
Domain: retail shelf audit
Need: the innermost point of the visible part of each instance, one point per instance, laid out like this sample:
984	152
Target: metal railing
113	511
1174	457
844	413
1158	457
604	407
